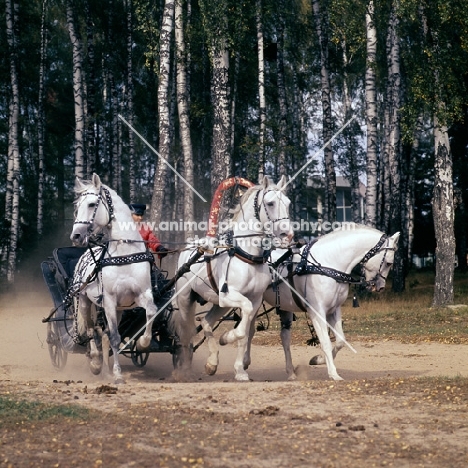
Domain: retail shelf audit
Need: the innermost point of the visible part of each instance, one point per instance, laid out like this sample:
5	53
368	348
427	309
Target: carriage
62	338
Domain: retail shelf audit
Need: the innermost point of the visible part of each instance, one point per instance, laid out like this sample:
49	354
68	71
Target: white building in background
343	199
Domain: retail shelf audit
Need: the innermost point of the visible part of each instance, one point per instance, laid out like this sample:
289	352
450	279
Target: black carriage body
58	274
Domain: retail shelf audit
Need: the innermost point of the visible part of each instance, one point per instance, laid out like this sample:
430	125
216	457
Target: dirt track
400	405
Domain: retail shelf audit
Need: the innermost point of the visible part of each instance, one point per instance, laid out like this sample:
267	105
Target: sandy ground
385	413
24	354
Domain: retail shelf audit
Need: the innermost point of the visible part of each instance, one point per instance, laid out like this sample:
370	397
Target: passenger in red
152	242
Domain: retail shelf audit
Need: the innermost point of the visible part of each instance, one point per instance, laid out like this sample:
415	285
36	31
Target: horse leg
334	320
286	319
247	358
240	333
207	323
145	300
114	337
320	325
105	344
183	325
86	323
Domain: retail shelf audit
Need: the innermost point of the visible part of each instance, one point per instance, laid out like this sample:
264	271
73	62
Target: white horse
110	276
321	283
233	276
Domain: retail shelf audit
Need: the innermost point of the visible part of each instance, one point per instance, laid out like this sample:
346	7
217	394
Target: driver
153	243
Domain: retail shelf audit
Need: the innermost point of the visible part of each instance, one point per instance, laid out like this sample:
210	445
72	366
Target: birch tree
183	111
261	92
13	188
215	22
130	108
281	84
371	115
159	187
393	143
40	123
443	209
78	89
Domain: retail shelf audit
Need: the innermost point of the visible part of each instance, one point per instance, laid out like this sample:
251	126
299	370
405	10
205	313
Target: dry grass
406	316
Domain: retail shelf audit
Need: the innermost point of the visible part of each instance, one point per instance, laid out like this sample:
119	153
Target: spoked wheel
139	358
57	354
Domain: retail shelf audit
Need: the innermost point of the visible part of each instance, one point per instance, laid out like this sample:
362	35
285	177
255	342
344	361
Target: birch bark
183	111
13	198
371	116
261	93
159	186
78	89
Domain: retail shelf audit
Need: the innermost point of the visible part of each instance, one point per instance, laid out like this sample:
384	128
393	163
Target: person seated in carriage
152	242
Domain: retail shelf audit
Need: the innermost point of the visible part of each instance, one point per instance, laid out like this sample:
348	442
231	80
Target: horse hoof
242	377
95	368
210	369
119	381
292	377
317	361
336	377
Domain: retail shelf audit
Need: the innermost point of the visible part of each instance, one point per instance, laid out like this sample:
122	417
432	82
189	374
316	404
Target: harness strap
304	267
127	259
209	271
295	296
241	254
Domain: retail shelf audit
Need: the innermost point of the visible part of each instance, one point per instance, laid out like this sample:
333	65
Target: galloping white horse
233	276
321	284
110	276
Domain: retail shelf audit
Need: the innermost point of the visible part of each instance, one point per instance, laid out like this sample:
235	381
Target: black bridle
258	207
103	193
374	251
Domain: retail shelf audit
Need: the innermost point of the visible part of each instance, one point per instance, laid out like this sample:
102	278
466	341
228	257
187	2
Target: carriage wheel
57	354
139	359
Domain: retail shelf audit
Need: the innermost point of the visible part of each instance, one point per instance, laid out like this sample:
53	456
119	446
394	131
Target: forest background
219	88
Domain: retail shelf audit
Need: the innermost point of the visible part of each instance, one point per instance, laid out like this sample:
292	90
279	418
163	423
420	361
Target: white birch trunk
444	216
281	83
351	143
129	107
183	110
159	186
221	157
371	116
78	90
12	211
261	93
40	124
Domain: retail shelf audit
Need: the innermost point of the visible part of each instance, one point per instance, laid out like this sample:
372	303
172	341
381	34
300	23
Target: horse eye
92	205
270	204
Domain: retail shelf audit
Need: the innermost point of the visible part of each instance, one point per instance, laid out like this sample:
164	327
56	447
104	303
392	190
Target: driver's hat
137	208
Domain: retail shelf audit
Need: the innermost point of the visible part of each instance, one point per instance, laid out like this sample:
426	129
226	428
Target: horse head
272	210
93	209
378	266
